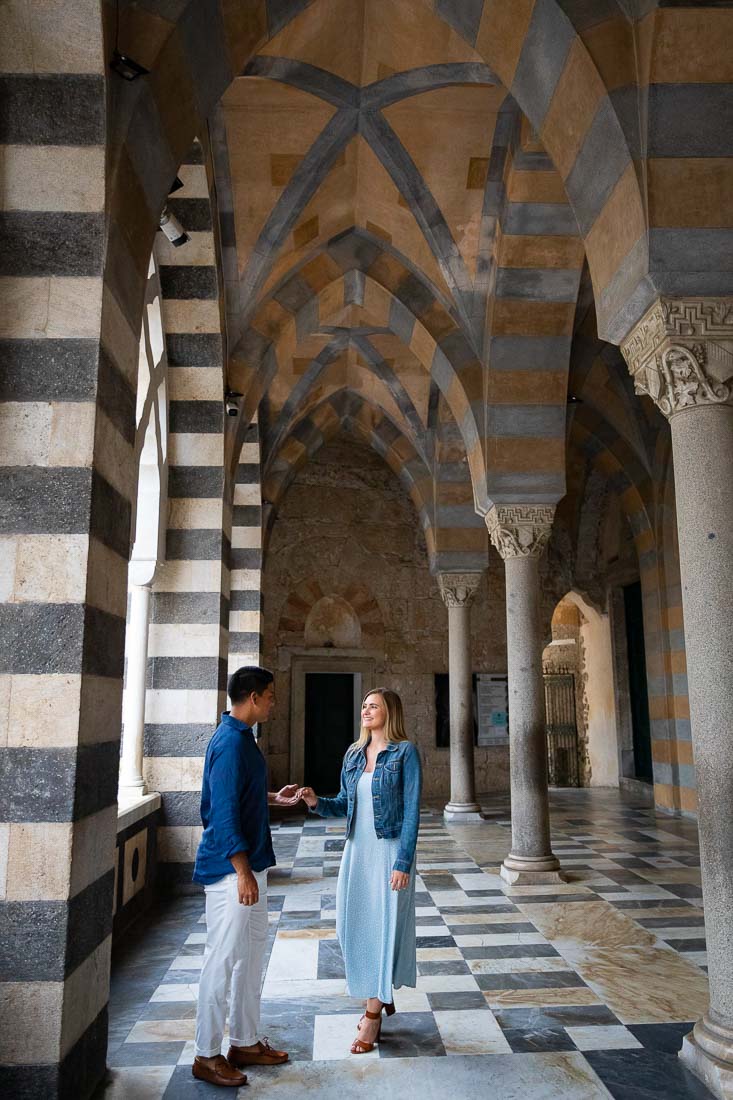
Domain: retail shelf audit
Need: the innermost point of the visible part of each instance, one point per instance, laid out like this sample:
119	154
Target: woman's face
373	713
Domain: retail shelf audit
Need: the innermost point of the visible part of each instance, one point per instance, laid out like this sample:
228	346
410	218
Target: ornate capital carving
458	589
681	353
520	530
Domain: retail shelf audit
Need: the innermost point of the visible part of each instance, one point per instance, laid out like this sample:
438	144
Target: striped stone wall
66	438
245	609
188	638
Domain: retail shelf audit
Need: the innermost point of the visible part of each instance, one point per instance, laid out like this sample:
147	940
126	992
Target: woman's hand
309	796
399	880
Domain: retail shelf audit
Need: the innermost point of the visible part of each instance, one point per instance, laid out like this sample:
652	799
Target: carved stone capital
458	589
520	530
681	353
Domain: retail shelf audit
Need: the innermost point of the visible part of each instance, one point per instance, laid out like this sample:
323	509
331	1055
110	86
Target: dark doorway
638	691
329	727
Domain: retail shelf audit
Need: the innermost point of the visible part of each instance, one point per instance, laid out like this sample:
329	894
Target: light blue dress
375	924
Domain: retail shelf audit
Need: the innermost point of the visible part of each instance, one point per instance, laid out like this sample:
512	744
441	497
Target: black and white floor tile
581	990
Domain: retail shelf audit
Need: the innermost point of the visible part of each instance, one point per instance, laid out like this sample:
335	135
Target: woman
375	896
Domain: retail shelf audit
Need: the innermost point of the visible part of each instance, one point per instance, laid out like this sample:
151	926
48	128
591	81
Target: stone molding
458	589
681	353
520	530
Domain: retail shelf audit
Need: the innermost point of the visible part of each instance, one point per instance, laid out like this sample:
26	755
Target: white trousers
236	937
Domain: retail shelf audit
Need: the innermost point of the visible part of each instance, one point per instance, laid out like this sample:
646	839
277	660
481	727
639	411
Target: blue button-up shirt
233	804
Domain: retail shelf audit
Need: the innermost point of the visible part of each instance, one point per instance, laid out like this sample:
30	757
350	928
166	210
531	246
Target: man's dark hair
247	679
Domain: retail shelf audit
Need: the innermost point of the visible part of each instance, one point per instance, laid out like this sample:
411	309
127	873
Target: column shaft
462	782
133	716
531	850
703	460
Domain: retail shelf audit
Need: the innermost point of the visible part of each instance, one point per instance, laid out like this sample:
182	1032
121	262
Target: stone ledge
129	812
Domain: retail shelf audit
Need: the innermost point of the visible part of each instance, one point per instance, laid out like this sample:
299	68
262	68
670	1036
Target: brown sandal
360	1046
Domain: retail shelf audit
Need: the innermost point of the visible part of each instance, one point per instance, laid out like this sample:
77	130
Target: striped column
245	613
190	607
66	435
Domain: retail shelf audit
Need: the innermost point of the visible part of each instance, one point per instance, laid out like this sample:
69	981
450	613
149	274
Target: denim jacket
396	787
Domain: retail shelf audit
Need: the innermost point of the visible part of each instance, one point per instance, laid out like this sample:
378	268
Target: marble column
458	591
520	533
681	355
132	784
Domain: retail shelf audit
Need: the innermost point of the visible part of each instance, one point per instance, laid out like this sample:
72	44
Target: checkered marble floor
580	990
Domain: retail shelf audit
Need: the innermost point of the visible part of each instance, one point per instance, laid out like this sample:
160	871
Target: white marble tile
427	911
640	893
298	989
138	1082
411	1000
333	1036
162	1031
503	939
293	960
471	1031
187	962
672	933
426	930
196	937
446	983
480	882
516	966
175	991
438	954
603	1037
189	1053
700	958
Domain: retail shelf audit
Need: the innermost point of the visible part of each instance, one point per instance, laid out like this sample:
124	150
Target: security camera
232	403
173	229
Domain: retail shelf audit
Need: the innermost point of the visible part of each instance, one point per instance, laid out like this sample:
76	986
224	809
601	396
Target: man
232	860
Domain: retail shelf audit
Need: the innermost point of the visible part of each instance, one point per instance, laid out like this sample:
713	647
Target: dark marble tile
671	921
169	1010
146	1054
491	929
553	1016
682	889
537	1040
446	910
330	960
184	1086
526	979
511	951
645	1075
466	999
411	1035
454	966
686	945
666	1038
653	903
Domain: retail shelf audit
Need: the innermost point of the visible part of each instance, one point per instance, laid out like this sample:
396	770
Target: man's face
263	703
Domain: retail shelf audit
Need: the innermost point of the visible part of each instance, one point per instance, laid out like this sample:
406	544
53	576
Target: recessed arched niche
332	622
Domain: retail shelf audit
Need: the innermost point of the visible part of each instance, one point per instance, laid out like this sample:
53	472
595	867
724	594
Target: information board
492	709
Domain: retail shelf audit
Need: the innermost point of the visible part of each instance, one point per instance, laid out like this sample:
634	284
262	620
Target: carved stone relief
681	353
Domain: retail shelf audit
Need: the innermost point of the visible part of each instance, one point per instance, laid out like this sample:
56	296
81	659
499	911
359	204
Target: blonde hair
394	726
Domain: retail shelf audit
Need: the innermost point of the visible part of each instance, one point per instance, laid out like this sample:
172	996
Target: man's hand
287	796
399	880
249	891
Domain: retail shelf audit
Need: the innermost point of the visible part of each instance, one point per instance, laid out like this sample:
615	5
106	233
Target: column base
708	1053
462	812
531	871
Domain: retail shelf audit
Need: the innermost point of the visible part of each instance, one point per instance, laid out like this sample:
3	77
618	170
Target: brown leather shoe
263	1056
220	1073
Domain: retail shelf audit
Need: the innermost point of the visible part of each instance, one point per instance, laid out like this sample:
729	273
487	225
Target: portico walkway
576	991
